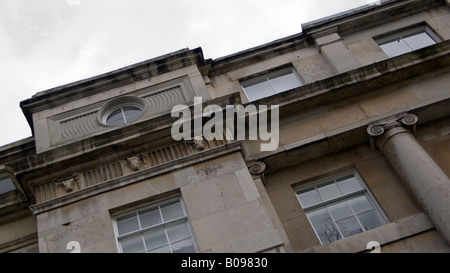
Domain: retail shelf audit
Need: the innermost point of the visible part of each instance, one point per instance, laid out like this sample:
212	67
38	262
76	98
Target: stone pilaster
428	184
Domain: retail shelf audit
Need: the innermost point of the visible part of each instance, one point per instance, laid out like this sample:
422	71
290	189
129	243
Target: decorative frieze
85	121
137	162
129	165
102	174
165	100
197	144
69	184
79	125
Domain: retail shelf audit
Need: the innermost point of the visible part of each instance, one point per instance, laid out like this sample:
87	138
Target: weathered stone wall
365	49
223	203
229	209
405	218
78	119
19	236
309	64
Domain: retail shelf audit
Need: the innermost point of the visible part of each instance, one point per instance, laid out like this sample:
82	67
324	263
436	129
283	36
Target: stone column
429	185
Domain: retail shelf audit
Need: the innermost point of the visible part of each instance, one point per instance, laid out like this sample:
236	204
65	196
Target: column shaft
427	182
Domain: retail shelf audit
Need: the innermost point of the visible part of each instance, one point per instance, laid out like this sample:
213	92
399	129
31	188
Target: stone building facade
363	149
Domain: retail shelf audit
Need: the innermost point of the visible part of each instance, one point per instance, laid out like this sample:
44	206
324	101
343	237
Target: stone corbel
257	169
379	128
68	184
135	162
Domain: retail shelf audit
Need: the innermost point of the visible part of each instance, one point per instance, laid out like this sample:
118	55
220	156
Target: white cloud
47	43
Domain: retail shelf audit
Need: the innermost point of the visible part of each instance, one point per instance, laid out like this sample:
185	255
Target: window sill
384	235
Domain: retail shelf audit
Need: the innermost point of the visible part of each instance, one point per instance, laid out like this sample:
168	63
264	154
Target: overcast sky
48	43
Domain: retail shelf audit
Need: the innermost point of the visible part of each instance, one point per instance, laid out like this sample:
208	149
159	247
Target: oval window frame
118	103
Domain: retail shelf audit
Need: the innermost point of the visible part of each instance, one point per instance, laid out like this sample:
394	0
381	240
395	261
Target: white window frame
267	78
120	103
404	33
135	210
121	107
364	191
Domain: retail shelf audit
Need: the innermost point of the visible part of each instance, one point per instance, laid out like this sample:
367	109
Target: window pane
329	191
185	246
162	249
340	211
328	233
127	224
6	185
150	218
395	48
259	90
349	226
340	208
348	184
279	73
131	113
155	240
180	238
178	232
172	211
360	204
420	40
370	220
285	82
115	118
132	245
319	217
309	198
161	229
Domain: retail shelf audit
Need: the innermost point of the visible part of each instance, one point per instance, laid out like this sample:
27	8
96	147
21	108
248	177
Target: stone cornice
355	82
256	54
149	68
341	138
109	142
359	81
362	80
354	20
367	16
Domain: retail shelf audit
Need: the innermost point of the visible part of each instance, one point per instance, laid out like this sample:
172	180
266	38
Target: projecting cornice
355	82
256	54
360	81
367	16
136	72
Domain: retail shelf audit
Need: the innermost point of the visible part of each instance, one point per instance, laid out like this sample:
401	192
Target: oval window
123	115
122	111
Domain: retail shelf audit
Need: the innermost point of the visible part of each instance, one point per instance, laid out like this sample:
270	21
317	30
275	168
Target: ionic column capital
256	169
380	131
